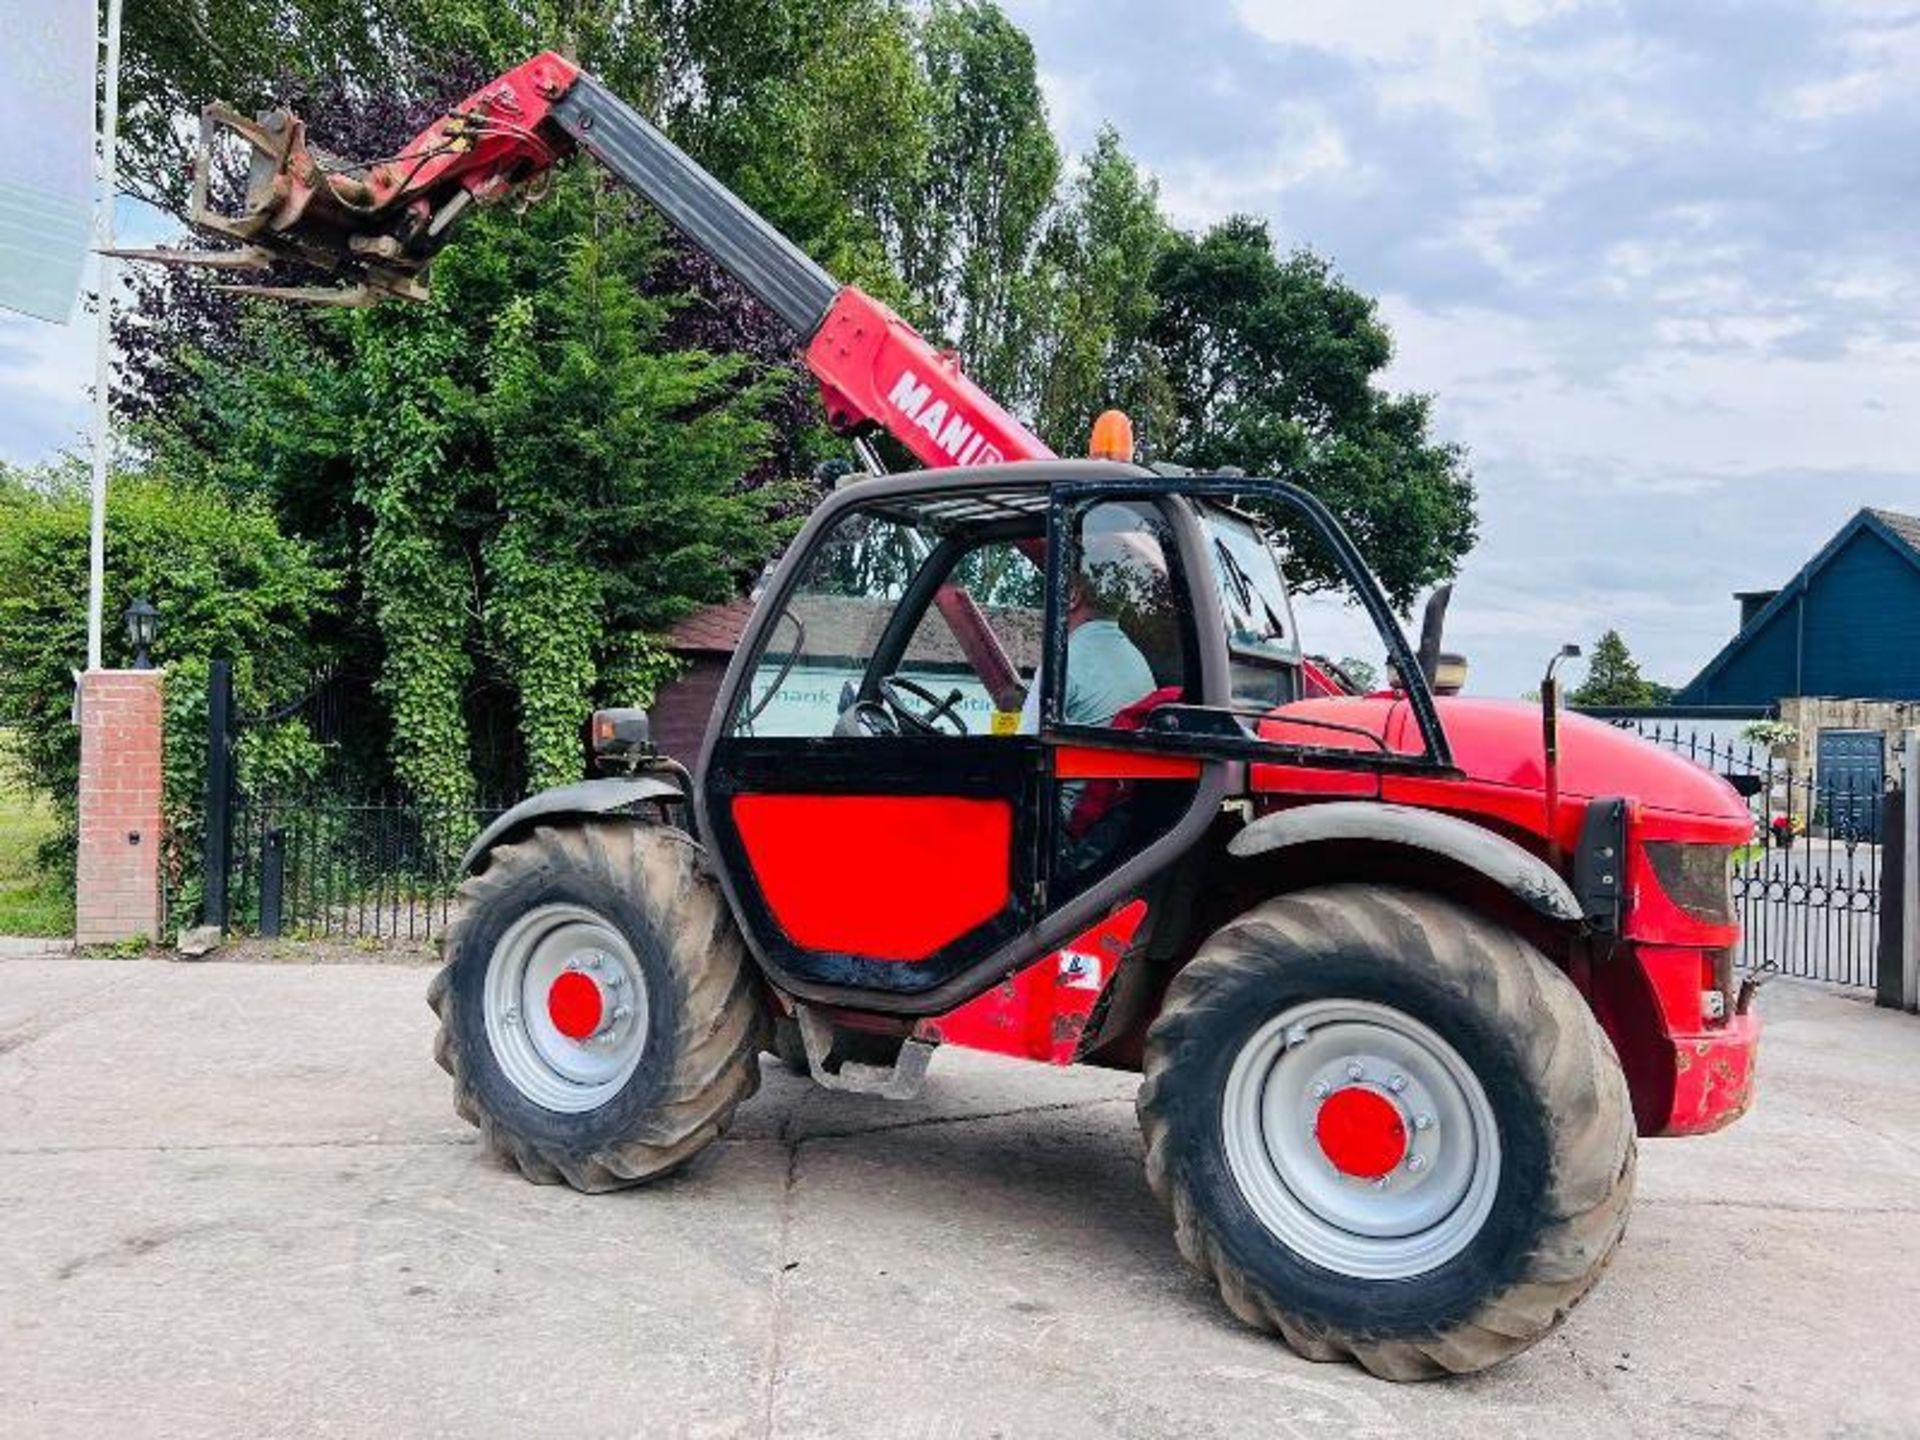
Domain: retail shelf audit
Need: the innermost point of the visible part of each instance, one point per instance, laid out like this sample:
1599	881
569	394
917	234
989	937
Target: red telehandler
1023	754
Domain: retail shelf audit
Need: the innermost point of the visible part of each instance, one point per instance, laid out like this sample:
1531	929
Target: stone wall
1810	714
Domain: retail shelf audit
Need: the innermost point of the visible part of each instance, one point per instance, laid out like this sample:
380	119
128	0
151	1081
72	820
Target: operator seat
1105	800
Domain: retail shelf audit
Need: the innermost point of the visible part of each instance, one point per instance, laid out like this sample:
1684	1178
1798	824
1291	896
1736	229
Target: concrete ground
234	1200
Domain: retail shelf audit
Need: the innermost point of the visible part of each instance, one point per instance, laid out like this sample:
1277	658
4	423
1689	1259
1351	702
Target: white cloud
1073	104
1307	149
1710	463
1392	32
1878	64
46	372
1653	260
1438	53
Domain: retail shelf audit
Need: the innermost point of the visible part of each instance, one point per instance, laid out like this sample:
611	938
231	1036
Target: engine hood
1498	742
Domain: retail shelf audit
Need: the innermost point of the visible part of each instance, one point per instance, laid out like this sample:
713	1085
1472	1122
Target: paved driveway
234	1200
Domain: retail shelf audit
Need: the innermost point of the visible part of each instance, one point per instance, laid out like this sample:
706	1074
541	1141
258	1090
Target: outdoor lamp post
143	625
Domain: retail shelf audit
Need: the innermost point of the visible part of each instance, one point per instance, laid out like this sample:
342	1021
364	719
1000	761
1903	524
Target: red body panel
1040	1013
1687	1075
1095	762
1713	1078
885	877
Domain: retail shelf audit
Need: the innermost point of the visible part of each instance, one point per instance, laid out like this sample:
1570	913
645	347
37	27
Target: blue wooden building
1846	626
1835	652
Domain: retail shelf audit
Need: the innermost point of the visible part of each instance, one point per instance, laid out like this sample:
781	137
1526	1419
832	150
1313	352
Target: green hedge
226	583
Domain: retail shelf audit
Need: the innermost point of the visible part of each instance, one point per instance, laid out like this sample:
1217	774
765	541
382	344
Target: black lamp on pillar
143	626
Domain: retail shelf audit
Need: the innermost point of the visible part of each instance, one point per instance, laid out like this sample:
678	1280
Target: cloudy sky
1655	258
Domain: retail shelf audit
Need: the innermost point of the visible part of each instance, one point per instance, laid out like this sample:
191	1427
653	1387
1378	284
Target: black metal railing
1807	887
325	867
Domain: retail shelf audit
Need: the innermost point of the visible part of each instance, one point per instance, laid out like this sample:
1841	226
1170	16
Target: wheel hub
566	1007
1361	1132
1360	1138
576	1005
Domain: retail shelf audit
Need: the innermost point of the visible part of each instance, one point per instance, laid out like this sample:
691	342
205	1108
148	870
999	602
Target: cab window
1263	649
816	655
1126	646
905	623
994	597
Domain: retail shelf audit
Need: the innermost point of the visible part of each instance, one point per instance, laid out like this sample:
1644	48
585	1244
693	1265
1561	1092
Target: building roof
712	629
1905	527
1901	533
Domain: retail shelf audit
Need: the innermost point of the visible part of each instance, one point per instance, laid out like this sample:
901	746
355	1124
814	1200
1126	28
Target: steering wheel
930	715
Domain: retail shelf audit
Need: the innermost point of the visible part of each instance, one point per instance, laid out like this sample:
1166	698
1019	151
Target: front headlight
1697	878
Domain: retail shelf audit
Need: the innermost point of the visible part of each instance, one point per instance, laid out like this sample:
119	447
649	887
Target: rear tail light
1697	878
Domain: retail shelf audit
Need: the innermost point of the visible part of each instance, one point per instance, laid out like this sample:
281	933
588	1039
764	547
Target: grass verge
33	901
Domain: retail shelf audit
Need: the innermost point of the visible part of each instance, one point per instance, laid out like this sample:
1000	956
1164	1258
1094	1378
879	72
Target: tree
1273	364
590	428
526	481
1362	673
1094	278
225	579
1613	676
968	234
813	111
175	58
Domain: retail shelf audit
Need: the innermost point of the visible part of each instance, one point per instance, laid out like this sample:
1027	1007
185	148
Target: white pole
103	339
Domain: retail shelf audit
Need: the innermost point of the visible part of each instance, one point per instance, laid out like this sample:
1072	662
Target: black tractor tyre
1550	1077
706	1018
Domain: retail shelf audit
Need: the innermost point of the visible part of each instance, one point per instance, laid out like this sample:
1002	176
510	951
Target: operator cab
908	620
972	714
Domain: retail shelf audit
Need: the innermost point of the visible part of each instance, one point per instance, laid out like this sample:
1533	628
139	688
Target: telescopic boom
376	224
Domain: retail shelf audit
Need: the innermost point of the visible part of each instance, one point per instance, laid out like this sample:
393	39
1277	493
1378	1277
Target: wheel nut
1355	1071
593	962
1417	1164
1381	1183
622	1012
1423	1122
1321	1090
1397	1084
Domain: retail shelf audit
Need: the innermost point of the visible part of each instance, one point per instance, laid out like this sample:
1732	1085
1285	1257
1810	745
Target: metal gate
1850	767
330	858
1809	887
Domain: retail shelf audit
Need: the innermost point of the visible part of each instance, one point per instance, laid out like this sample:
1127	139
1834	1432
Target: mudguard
1527	876
611	795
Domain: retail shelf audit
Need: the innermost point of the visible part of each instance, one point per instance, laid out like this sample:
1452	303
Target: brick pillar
117	886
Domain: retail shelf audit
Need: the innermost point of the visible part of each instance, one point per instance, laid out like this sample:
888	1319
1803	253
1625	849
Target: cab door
1125	638
875	813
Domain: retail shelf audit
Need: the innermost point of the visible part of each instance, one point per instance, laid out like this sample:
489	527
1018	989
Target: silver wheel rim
1416	1216
555	1069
